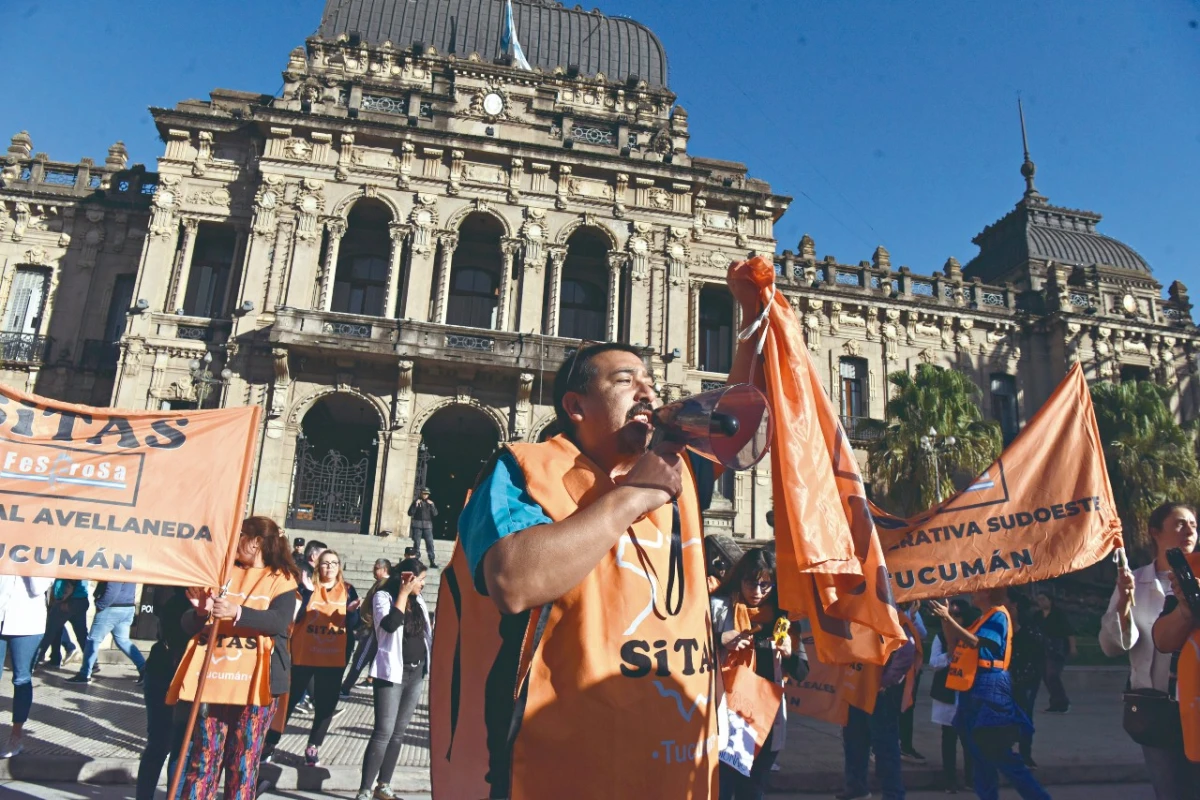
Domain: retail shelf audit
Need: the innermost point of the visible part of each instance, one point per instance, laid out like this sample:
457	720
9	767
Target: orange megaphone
730	426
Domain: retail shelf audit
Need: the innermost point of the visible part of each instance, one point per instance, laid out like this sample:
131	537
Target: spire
1028	168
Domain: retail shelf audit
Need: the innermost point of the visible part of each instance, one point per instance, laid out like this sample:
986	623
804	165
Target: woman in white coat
22	624
1126	628
945	703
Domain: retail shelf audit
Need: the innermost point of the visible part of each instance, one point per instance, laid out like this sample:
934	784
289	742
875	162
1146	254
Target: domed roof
550	35
1038	231
1083	248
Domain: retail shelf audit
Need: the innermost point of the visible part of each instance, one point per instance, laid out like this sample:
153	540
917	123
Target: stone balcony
396	338
184	328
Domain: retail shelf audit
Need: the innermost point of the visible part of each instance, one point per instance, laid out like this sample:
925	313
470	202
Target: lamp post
934	445
203	380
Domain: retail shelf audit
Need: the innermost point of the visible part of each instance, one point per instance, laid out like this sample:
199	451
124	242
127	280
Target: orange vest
619	692
965	662
240	672
319	638
1187	684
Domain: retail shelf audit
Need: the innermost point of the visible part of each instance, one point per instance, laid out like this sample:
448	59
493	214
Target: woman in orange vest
320	644
250	666
988	717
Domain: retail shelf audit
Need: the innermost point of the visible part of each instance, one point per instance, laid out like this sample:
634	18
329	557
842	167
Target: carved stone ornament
659	199
266	202
162	216
36	256
490	102
309	204
926	356
852	348
296	149
533	232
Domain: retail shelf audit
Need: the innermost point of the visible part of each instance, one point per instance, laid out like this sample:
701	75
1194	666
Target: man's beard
634	440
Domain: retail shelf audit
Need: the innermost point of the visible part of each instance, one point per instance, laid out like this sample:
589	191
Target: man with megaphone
589	545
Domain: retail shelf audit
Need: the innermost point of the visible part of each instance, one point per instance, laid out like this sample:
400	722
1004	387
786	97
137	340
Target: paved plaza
94	735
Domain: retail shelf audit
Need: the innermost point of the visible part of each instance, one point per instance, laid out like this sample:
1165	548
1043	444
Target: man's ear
573	405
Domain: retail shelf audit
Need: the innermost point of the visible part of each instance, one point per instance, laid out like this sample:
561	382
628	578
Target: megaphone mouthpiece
724	424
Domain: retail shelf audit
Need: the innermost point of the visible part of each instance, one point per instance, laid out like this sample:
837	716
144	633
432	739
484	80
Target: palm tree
1151	457
907	477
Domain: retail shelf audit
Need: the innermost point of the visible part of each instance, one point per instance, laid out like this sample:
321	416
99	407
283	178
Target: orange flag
108	494
830	562
1043	509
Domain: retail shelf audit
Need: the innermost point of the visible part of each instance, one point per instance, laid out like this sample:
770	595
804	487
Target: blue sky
890	123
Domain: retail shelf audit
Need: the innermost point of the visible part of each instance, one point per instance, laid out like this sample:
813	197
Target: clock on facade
493	104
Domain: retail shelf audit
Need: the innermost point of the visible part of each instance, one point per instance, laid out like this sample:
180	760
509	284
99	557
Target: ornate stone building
394	255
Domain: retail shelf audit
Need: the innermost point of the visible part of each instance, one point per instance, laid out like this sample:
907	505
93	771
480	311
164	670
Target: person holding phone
404	636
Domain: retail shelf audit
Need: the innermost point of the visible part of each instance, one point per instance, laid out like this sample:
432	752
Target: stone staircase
358	554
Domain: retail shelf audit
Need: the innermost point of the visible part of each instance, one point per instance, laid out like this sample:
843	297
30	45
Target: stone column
377	494
275	477
305	267
612	323
533	288
336	229
508	250
183	266
558	257
398	232
445	260
694	323
395	478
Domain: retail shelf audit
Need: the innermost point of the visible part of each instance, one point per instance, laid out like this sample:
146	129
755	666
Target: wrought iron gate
329	493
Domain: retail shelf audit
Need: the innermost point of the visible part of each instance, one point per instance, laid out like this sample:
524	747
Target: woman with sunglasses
320	643
744	612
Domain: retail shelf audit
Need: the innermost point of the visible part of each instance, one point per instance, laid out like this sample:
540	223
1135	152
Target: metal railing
24	348
861	429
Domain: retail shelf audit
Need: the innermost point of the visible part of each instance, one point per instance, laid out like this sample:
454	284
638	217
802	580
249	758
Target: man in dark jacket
114	614
422	512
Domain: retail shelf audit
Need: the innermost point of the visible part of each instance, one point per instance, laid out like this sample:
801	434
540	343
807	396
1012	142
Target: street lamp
934	444
203	380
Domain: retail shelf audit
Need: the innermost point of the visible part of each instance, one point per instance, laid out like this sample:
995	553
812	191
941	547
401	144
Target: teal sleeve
499	506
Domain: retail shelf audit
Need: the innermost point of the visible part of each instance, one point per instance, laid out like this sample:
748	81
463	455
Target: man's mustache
640	408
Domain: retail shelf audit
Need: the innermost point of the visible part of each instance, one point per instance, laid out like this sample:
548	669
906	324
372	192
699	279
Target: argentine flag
508	39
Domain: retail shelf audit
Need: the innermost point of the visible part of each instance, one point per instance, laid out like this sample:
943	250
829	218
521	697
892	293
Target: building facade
394	255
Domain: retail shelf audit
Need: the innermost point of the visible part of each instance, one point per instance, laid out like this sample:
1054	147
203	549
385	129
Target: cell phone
405	577
1185	578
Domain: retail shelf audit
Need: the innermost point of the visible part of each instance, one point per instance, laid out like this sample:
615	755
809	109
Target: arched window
475	273
472	298
583	295
716	329
360	283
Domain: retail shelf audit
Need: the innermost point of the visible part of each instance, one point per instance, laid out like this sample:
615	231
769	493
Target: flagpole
181	762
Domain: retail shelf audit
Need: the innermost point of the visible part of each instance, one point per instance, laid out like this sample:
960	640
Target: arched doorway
583	299
458	441
475	273
335	466
361	280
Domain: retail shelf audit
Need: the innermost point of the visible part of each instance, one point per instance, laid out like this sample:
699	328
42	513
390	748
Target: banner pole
177	776
207	663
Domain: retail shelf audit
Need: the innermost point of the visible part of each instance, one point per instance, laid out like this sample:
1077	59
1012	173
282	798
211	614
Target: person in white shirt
22	624
1126	628
945	704
404	635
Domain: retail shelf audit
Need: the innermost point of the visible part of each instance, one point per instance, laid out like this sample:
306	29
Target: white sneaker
14	747
72	656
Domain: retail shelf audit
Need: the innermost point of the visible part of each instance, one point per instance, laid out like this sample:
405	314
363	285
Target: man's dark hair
576	375
313	547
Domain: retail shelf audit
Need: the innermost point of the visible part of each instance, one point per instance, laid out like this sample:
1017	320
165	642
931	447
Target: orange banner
107	494
1043	509
830	561
751	705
